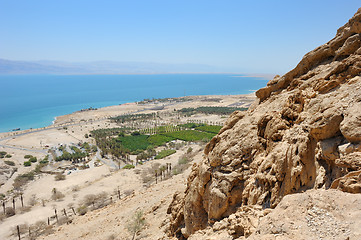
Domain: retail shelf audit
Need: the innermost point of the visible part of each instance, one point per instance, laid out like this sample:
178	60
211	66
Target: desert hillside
302	133
287	168
126	159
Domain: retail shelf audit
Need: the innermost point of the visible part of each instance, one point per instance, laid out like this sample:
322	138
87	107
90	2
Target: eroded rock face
303	133
315	214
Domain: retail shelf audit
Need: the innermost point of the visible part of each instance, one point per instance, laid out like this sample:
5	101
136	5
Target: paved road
25	149
109	163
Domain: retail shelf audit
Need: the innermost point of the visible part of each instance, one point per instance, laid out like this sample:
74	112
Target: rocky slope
304	132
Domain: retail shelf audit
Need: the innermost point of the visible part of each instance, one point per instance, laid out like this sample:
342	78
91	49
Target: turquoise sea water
32	101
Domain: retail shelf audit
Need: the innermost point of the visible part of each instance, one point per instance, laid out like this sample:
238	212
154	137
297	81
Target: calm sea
32	101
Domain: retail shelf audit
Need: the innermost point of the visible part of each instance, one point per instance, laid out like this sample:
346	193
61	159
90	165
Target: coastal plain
102	174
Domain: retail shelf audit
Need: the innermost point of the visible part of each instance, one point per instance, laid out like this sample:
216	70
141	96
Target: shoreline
70	119
40	112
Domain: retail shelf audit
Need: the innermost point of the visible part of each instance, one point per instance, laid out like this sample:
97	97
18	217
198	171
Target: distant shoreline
32	101
132	106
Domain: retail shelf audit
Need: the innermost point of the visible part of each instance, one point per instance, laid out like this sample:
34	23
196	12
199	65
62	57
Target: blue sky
245	36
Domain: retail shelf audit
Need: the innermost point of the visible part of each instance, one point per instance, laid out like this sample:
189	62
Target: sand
71	129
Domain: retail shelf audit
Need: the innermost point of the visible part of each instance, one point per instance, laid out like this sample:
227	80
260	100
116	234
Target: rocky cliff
304	132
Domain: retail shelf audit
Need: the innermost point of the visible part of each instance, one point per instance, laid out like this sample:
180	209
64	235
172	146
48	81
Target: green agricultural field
159	140
211	110
133	143
115	142
165	153
192	125
190	135
209	128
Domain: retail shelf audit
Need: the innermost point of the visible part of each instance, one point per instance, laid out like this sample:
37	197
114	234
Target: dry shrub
22	179
147	179
128	192
89	199
2	217
112	237
183	162
148	175
24	228
63	219
96	200
82	210
179	169
9	211
32	200
154	166
40	228
59	177
136	223
75	196
57	195
25	209
75	188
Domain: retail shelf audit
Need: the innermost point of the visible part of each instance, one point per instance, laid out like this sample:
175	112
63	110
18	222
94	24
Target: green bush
128	166
165	153
33	159
40	165
82	210
8	156
78	155
27	164
75	149
189	150
28	176
10	163
2	154
28	156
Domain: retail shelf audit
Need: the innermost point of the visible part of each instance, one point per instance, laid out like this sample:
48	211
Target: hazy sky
248	36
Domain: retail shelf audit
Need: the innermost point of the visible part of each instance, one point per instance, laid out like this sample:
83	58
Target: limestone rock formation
304	132
315	214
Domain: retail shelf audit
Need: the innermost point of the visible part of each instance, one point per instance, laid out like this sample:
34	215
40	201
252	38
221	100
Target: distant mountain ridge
101	67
